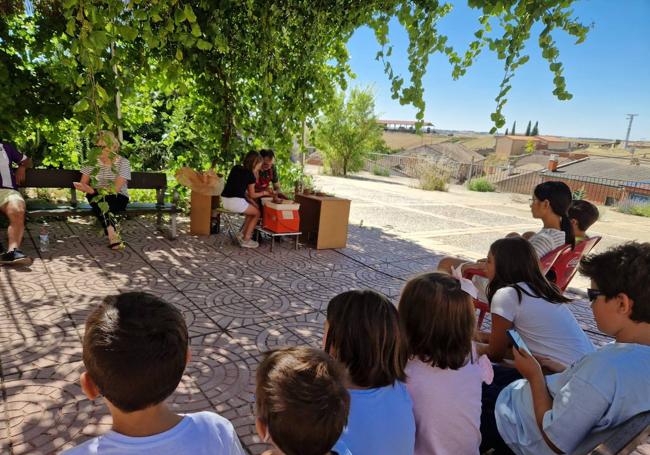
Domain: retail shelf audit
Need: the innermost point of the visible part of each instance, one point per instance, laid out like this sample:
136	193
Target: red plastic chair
546	264
566	265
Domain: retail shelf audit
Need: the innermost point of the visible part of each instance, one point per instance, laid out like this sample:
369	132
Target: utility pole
630	117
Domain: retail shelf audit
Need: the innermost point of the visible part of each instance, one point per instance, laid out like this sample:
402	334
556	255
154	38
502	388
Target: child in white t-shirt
135	349
545	415
522	298
444	373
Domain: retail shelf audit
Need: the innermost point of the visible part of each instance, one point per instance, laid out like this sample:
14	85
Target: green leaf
101	92
203	45
196	30
189	13
128	33
81	105
179	16
179	55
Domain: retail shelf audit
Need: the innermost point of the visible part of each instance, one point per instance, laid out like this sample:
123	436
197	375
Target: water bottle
44	239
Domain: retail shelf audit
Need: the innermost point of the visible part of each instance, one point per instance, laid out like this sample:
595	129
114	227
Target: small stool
260	230
230	224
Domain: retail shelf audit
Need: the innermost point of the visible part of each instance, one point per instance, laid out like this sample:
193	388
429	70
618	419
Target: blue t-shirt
380	421
600	391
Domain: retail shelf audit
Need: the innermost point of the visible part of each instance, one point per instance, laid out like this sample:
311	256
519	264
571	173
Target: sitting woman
550	203
111	173
239	196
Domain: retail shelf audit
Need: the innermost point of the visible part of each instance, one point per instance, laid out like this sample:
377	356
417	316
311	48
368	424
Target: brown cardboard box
324	220
200	214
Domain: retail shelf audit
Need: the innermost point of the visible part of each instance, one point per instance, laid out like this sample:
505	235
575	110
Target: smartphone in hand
517	341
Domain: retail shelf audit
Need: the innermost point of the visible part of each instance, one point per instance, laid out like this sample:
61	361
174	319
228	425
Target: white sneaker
249	244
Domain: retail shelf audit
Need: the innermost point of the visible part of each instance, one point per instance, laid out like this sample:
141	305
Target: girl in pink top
444	373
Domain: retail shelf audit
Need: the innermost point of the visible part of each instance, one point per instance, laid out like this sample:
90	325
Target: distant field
402	141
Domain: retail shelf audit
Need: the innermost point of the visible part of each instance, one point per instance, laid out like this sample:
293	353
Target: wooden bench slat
63	178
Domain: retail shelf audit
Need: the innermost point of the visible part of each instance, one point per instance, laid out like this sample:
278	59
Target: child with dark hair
239	195
135	349
522	298
550	203
554	414
268	178
444	372
301	402
582	215
362	331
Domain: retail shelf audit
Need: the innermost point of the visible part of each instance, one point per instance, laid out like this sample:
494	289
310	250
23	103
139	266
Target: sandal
117	246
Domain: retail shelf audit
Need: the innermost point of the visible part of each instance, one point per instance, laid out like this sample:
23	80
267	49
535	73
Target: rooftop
605	168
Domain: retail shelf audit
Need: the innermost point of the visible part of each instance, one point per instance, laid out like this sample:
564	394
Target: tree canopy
348	131
201	80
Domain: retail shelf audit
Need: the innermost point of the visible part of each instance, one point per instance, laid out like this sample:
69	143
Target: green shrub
579	194
632	207
481	184
380	170
433	177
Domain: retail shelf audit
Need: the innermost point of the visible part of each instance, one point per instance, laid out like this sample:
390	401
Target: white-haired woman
112	172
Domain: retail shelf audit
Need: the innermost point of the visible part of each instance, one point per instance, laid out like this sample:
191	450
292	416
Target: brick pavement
237	303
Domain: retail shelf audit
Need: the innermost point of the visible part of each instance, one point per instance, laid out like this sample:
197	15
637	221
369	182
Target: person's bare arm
497	346
542	400
22	170
550	366
254	195
119	183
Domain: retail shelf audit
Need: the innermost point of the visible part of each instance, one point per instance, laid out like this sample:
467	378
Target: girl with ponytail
550	203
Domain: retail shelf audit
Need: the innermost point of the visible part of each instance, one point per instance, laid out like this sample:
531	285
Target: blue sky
608	75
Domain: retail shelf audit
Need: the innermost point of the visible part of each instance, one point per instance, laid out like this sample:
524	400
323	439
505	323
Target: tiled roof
553	139
454	151
607	168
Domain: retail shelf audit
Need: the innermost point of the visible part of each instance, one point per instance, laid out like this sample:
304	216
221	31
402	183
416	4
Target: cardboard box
200	214
324	220
281	218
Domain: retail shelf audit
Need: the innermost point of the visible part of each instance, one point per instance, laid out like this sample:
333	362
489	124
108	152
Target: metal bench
63	178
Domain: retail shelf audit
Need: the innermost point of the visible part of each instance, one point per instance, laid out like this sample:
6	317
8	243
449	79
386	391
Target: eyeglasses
593	294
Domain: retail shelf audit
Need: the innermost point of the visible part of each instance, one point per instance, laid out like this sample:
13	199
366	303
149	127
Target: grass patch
481	185
434	177
635	208
380	170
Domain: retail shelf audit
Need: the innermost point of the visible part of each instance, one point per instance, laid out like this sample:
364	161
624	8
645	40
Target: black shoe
15	257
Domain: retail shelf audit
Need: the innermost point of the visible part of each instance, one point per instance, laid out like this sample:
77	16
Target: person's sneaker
249	244
15	257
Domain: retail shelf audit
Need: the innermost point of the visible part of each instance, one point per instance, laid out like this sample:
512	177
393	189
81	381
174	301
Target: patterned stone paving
238	303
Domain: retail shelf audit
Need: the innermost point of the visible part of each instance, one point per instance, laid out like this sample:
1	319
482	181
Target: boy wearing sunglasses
554	414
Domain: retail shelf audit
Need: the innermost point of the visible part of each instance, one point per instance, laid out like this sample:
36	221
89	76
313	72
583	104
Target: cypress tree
506	132
535	131
514	124
528	129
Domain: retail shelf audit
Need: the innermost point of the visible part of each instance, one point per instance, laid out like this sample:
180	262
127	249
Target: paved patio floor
237	303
